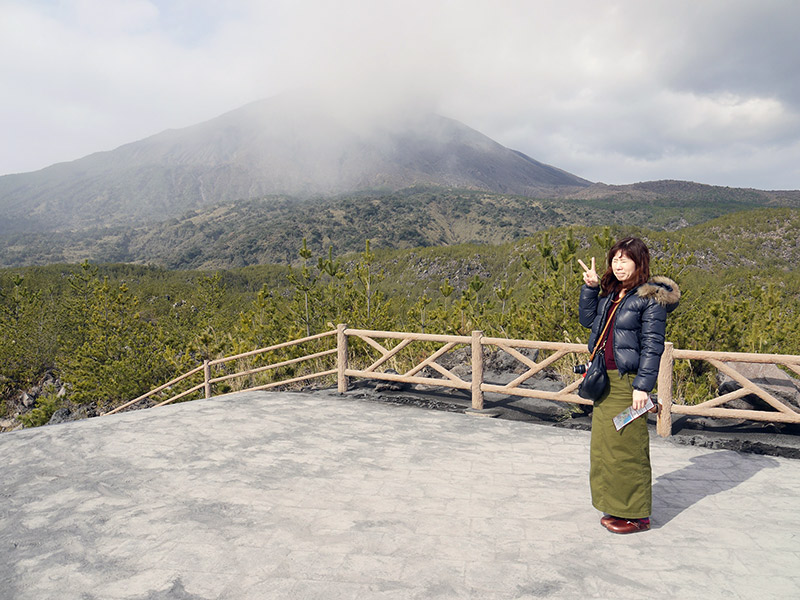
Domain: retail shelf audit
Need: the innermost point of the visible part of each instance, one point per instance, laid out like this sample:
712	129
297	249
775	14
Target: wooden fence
424	367
712	407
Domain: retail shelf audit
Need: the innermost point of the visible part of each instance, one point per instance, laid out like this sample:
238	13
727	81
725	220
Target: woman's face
623	267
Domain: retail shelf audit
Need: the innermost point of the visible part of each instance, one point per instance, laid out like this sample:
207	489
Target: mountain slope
269	230
278	146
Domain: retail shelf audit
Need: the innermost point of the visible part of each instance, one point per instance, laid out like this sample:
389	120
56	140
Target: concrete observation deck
261	495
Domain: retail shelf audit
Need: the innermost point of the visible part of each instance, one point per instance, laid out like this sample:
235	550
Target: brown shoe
605	520
628	525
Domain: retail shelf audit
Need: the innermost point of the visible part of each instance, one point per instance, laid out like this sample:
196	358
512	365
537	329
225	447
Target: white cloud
614	91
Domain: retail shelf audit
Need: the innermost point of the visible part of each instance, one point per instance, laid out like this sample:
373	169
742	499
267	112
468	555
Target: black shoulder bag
595	381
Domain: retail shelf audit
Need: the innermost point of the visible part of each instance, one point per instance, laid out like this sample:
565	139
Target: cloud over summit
619	91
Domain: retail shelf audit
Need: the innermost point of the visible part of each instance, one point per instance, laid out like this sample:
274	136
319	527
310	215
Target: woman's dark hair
637	251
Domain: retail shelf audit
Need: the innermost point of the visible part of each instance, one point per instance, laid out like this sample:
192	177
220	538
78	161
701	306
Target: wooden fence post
477	370
341	357
665	372
207	378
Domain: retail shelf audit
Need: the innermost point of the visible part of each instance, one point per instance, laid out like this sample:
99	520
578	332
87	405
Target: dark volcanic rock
767	376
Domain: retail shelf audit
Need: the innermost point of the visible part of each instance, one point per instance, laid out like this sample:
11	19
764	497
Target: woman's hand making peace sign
590	277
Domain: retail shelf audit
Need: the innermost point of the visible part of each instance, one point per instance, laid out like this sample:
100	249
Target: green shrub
46	405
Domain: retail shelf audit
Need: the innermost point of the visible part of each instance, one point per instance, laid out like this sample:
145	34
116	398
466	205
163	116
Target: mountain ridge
265	148
204	196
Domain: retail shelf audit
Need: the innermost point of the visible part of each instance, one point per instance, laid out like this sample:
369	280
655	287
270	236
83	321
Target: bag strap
601	340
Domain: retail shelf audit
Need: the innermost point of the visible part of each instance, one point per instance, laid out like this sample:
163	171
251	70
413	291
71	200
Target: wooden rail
712	407
425	364
208	380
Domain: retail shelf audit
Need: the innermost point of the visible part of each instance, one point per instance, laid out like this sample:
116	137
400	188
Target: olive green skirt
619	472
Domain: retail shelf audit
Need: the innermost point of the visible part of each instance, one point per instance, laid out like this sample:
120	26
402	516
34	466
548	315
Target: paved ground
283	495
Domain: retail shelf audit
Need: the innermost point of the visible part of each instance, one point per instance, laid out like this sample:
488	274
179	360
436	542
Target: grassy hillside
761	241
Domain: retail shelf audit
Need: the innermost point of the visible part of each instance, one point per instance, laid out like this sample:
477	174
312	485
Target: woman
619	474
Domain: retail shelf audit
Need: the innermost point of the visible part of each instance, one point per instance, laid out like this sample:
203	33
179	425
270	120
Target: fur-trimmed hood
663	290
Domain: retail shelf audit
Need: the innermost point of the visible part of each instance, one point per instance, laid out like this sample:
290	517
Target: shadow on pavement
707	475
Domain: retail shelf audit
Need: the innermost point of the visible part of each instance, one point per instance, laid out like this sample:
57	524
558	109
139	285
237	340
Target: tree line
99	335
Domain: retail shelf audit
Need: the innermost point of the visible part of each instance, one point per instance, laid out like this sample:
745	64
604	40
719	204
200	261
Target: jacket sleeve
587	306
654	326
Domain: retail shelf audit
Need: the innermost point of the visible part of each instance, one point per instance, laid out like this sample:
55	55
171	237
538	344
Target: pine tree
27	338
122	355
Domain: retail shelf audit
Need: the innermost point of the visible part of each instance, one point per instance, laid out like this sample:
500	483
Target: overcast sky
612	91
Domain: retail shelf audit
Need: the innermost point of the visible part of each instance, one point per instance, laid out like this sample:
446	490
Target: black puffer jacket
639	326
